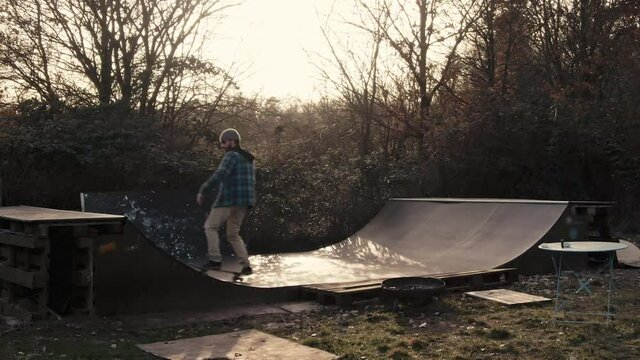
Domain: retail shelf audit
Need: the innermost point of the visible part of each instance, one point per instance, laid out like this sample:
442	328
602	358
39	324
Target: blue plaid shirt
235	179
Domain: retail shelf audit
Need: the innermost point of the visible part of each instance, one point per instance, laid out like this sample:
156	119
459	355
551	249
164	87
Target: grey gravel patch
10	321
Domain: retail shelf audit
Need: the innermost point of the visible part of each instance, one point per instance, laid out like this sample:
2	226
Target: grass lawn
453	326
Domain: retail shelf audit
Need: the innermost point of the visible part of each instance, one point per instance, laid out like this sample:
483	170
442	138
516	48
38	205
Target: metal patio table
558	249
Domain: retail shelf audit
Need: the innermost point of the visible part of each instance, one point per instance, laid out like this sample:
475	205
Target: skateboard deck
237	276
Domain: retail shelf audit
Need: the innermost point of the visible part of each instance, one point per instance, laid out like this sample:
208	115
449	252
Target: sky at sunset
272	45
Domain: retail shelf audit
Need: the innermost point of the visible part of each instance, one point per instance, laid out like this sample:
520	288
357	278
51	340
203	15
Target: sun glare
271	44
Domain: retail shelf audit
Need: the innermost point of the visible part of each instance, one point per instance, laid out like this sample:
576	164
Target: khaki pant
233	216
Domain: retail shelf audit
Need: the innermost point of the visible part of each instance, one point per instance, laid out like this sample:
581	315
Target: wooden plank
371	282
28	228
364	289
22	258
344	293
21	277
507	297
4	253
22	240
16	226
510	273
43	296
11	261
38	214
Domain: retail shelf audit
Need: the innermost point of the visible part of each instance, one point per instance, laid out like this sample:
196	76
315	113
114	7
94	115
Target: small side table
558	249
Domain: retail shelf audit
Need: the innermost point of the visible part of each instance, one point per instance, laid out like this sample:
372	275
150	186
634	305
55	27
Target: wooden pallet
24	260
346	293
26	242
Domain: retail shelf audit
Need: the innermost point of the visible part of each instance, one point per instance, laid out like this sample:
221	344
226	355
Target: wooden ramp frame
346	293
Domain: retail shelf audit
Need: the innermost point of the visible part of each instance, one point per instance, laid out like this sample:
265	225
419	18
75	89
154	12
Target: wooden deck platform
32	214
346	293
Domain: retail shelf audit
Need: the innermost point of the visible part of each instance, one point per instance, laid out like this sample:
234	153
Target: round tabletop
583	246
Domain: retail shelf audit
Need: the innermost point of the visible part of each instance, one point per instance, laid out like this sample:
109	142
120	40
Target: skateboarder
235	182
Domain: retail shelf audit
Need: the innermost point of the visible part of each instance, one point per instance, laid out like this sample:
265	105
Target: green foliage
49	158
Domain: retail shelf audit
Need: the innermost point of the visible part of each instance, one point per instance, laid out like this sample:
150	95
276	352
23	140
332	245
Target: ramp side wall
131	275
536	261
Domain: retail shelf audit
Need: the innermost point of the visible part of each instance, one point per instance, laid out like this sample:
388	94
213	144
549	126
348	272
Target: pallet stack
24	264
346	293
47	257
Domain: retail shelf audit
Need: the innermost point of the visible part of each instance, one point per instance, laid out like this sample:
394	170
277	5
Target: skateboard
237	276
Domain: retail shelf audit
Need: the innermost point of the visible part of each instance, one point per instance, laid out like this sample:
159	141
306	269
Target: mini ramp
408	237
430	236
128	272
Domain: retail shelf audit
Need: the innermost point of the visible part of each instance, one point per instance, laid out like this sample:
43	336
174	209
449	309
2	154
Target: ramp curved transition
408	237
411	237
419	237
131	273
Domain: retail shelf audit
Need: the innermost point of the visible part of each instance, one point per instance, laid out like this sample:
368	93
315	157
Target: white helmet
230	134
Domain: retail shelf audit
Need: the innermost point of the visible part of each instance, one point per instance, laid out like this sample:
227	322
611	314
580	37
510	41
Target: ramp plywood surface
629	256
508	297
414	238
410	237
247	344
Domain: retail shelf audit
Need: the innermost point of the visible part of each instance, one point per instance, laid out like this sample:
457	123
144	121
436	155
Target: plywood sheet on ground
508	297
246	344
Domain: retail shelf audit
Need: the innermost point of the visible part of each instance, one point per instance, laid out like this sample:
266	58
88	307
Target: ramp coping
507	201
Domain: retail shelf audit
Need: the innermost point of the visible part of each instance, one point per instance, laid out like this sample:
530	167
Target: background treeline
513	99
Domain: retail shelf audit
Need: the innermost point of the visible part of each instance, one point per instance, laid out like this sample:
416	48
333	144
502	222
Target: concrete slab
296	307
246	345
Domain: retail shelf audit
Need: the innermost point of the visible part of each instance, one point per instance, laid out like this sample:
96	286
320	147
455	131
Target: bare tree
357	76
100	51
25	56
425	37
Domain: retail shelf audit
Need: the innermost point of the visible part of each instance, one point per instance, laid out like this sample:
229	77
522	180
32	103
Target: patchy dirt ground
453	326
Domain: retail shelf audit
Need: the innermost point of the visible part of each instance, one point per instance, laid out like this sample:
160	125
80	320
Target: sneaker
246	270
213	265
